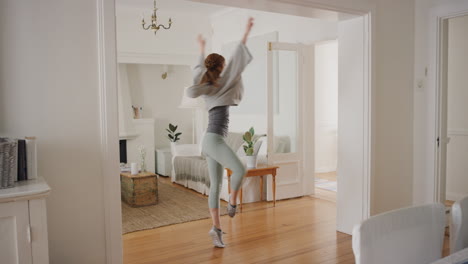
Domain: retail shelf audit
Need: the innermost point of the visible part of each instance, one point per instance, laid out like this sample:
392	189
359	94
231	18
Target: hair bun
213	61
211	64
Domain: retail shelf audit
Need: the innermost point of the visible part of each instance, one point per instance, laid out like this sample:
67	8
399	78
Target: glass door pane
285	101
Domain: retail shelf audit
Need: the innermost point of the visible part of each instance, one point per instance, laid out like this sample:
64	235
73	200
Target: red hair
214	66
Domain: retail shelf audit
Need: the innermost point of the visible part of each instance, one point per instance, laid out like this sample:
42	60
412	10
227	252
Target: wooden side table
259	171
139	190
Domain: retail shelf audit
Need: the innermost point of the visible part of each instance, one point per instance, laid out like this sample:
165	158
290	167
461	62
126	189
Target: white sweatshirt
230	90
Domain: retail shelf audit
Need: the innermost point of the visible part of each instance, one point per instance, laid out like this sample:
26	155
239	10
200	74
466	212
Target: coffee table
140	189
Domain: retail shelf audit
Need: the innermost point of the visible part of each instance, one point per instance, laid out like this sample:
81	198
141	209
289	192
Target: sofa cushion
234	140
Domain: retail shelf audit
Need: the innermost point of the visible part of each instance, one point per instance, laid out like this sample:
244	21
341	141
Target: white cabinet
23	223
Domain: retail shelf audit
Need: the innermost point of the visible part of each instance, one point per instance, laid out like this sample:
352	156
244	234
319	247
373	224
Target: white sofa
190	169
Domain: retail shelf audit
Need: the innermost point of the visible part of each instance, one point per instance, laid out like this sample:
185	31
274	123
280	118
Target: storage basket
8	162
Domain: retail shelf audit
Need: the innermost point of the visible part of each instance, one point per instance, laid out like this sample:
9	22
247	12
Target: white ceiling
173	5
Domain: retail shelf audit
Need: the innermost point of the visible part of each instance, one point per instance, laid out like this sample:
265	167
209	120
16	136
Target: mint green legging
219	156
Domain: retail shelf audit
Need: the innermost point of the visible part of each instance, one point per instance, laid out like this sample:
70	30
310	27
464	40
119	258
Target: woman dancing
220	87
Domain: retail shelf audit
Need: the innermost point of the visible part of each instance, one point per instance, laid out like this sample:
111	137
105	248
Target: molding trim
156	58
326	169
455	196
294	7
109	135
458	132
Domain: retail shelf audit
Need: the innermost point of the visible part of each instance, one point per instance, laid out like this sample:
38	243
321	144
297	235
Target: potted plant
173	136
250	155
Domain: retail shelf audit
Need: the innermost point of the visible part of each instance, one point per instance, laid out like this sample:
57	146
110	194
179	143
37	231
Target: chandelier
154	20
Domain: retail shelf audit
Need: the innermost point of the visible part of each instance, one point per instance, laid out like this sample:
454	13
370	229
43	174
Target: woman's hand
201	43
249	26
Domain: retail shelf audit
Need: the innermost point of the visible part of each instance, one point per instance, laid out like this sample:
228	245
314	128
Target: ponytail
214	66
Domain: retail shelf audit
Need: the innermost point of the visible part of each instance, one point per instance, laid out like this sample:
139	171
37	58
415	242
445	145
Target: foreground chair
459	226
405	236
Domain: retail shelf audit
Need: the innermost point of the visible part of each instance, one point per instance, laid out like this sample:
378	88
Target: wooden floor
295	231
330	176
322	193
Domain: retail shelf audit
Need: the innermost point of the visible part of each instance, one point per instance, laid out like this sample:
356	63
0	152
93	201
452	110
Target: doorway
452	138
457	96
109	105
326	119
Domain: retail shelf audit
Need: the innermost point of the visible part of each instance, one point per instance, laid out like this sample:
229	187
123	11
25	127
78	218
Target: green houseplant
173	136
249	144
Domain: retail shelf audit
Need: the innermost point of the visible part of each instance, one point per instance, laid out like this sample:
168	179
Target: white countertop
25	190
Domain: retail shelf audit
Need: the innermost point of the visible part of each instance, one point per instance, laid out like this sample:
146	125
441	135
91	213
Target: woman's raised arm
247	30
201	43
199	68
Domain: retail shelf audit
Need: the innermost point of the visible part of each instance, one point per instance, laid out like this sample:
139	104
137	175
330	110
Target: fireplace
123	150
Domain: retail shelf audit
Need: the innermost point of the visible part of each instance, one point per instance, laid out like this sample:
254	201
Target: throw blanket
195	168
191	168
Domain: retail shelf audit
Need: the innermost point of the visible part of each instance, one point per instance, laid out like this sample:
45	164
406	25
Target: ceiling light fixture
154	21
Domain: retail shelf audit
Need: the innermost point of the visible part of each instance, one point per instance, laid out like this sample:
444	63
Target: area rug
325	184
176	205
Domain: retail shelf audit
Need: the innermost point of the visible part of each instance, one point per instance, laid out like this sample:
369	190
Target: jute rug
176	205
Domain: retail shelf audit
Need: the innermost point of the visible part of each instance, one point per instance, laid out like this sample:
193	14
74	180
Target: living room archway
108	99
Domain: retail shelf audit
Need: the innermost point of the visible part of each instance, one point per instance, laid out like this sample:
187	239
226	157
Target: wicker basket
8	162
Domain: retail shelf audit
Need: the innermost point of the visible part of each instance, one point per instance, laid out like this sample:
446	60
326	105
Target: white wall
457	149
393	117
160	98
228	27
49	89
145	130
326	106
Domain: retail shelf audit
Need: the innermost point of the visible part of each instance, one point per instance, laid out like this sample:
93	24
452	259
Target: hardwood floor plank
295	231
331	176
301	230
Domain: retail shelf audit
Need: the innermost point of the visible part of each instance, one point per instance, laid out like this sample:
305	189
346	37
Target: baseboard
454	196
324	170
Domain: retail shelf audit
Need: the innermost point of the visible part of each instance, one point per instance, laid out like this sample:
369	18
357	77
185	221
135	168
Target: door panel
284	112
15	247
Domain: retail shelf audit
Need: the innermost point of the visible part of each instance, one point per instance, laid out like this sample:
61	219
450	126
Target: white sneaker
217	236
231	209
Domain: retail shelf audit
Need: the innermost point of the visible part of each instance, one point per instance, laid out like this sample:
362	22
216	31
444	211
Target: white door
442	139
285	94
15	247
353	122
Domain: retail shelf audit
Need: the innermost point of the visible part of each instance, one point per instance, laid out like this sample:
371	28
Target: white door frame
109	134
107	72
437	90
